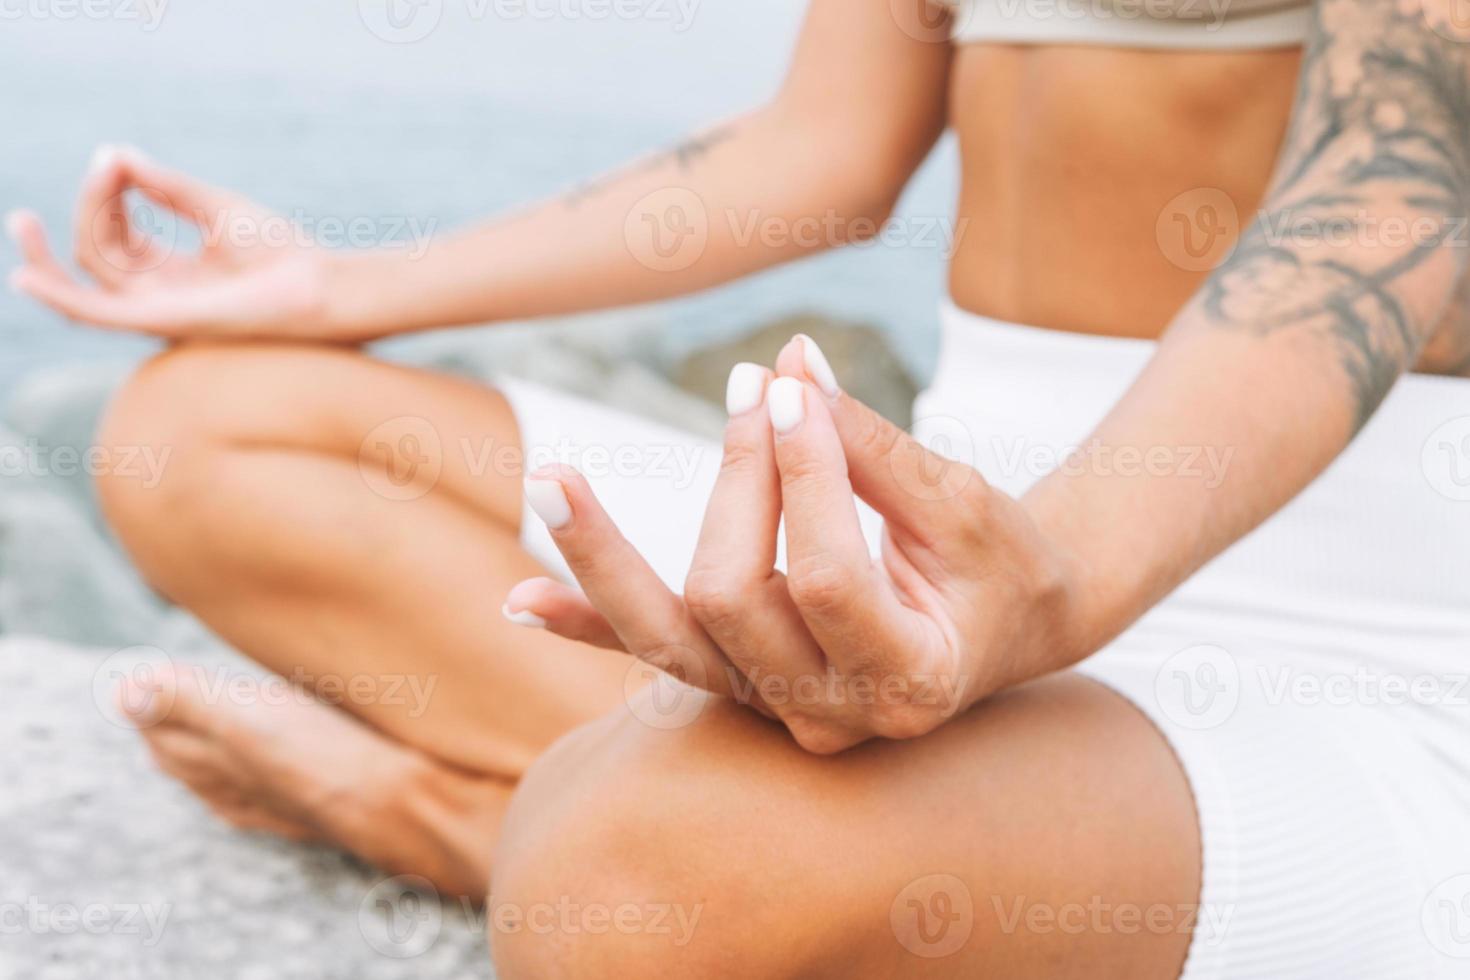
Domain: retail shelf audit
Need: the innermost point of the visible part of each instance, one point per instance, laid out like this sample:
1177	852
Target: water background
301	105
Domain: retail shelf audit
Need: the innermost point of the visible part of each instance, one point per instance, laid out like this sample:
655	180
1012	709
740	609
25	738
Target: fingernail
131	153
787	404
102	157
818	367
549	500
746	387
14	281
13	222
523	618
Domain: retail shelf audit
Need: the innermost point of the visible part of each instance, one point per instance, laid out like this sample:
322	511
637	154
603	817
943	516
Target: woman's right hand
252	277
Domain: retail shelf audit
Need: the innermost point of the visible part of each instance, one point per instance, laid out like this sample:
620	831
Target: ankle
456	816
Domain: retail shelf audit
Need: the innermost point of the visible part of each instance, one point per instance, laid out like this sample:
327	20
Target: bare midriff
1092	177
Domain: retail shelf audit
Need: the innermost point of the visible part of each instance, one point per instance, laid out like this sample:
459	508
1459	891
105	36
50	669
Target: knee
628	851
166	422
155	421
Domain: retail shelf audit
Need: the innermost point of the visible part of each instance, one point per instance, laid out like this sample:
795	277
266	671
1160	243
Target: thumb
900	477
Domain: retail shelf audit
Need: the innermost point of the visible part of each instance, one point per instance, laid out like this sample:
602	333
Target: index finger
107	245
651	621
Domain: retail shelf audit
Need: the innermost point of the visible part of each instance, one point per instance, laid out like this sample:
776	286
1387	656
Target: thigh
408	432
1048	833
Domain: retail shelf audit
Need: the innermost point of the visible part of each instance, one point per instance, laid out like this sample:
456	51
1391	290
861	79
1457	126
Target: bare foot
268	757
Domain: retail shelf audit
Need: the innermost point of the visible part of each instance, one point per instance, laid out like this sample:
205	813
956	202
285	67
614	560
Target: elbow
853	198
847	176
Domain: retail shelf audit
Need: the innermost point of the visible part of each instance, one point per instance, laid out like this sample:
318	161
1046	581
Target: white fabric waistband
1378	545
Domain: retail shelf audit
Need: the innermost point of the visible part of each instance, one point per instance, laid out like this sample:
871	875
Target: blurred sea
307	107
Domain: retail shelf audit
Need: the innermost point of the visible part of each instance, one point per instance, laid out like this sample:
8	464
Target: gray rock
95	834
864	363
60	578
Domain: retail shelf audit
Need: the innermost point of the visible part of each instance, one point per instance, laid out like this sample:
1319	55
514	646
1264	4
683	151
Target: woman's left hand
968	597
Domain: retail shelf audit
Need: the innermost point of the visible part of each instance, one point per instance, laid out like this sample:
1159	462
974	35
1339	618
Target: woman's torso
1099	183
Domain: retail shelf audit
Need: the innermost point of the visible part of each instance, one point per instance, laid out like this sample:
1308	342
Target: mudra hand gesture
968	596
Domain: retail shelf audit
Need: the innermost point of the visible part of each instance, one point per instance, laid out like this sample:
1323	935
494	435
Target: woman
1177	804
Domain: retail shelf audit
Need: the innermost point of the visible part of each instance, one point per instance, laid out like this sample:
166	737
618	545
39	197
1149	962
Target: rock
866	367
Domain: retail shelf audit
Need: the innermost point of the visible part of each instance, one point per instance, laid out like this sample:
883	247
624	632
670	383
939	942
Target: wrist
346	304
1088	602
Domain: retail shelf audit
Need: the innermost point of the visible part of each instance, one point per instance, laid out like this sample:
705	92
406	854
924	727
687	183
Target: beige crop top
1204	24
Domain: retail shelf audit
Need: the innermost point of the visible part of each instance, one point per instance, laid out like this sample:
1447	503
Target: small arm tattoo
684	156
1370	198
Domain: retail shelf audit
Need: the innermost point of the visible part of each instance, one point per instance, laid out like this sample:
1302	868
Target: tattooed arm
1448	350
1356	258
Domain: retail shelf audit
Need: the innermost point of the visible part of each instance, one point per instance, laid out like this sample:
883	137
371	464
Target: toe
150	700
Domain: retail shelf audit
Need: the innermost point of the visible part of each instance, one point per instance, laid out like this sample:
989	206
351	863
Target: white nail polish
746	387
523	618
787	403
549	501
818	368
102	157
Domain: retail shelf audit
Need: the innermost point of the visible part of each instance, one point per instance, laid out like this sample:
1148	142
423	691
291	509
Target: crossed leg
1047	834
287	520
273	526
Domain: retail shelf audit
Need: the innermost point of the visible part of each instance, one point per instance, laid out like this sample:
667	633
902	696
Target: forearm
760	190
1292	343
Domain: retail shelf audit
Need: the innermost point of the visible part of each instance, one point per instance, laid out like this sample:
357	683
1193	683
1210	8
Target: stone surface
865	366
113	870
